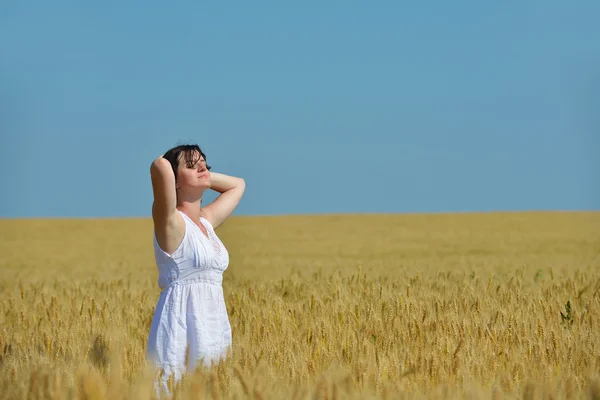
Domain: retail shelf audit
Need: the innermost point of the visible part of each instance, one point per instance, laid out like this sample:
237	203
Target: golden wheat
331	307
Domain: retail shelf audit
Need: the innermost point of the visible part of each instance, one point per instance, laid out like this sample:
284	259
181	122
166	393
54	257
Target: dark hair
190	153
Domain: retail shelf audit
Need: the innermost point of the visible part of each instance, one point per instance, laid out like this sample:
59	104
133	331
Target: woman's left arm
231	188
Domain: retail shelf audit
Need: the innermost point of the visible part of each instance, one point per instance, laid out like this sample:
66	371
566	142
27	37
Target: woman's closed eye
198	164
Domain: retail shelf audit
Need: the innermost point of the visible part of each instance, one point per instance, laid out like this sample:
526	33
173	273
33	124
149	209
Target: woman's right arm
167	224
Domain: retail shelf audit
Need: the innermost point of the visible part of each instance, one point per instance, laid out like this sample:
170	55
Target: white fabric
190	321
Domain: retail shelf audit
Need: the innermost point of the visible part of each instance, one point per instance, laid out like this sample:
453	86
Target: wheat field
498	305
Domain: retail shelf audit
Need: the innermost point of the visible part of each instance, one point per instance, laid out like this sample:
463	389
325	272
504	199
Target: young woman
190	323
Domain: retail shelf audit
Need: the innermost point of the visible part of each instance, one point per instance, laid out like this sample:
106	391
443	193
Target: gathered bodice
198	258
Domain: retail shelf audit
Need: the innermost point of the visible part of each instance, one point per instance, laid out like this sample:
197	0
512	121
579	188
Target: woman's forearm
222	183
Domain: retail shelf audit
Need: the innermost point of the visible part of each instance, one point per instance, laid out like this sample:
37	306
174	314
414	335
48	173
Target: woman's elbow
159	164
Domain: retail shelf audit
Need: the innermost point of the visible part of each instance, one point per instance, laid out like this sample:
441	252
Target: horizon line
321	214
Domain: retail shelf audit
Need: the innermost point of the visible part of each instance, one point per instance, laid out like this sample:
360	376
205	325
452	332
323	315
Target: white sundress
190	321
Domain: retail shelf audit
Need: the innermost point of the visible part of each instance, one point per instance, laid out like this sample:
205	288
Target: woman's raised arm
163	187
231	188
168	226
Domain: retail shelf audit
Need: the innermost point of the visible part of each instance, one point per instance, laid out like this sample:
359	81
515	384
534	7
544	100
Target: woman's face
193	176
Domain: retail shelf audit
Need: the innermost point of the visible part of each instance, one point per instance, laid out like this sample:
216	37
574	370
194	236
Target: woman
190	323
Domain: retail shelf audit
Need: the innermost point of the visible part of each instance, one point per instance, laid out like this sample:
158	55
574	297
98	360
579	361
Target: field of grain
372	306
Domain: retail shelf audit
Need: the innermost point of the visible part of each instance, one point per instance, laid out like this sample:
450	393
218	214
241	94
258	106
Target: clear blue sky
322	106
